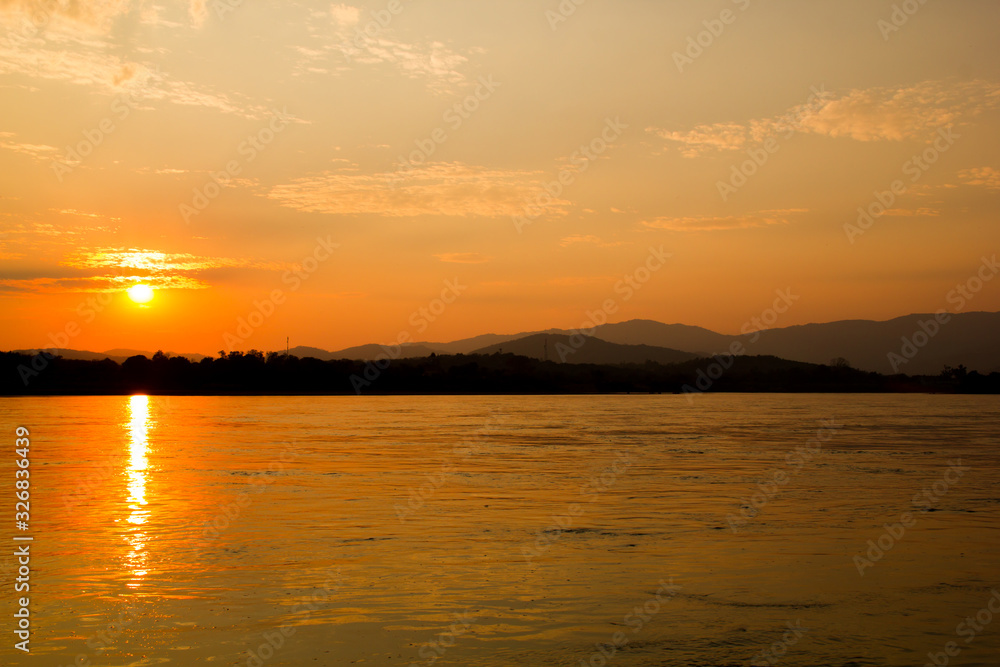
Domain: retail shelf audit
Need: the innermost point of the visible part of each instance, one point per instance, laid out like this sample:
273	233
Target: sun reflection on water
138	429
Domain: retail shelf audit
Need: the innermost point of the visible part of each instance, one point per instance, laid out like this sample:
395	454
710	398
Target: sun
140	293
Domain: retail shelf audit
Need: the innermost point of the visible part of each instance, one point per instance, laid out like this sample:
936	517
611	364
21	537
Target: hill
561	349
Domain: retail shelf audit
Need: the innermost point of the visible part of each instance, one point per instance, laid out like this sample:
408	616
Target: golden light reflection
138	429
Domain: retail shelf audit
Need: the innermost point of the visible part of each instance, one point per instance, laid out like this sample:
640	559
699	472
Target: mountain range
915	344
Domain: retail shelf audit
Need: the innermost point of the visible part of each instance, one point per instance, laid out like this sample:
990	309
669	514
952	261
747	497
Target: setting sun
140	293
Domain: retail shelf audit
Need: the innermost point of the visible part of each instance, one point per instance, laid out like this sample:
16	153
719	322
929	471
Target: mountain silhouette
913	344
585	350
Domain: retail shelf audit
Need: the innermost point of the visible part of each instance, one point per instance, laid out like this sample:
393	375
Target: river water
624	530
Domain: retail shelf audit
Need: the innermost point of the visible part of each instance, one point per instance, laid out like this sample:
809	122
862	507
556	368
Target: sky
342	174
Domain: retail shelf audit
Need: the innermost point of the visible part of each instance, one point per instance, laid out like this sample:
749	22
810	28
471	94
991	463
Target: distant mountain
373	351
968	339
117	355
470	345
303	352
676	336
83	355
124	353
593	351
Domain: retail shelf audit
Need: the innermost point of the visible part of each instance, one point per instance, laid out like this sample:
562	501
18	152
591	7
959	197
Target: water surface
528	530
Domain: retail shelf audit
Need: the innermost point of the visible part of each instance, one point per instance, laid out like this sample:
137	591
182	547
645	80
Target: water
529	531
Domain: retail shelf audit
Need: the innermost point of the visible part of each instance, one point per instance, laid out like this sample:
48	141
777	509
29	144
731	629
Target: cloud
434	62
101	283
42	152
595	240
463	258
83	60
348	41
872	114
74	212
725	223
31	16
706	138
160	262
111	270
34	231
442	189
345	16
198	12
922	212
987	177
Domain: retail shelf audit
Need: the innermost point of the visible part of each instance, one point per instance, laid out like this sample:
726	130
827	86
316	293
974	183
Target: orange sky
276	157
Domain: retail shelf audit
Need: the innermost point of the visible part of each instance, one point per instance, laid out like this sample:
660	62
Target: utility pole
286	346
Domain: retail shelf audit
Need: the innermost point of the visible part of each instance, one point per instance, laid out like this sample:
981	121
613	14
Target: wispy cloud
91	16
160	262
345	17
448	189
97	16
725	223
922	212
82	214
83	59
346	41
35	151
987	177
589	239
872	114
111	270
99	283
33	231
